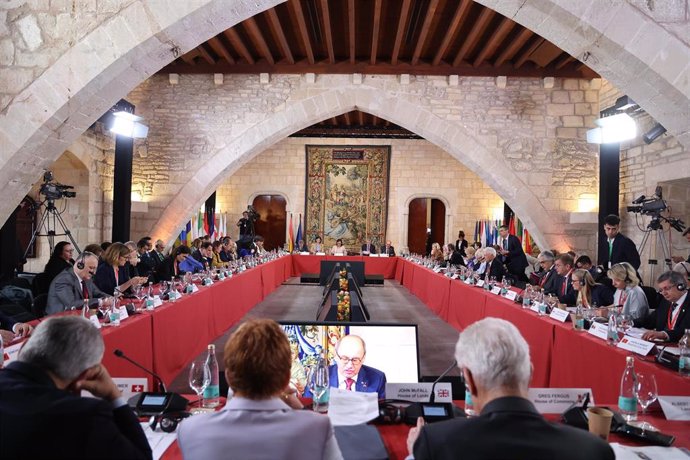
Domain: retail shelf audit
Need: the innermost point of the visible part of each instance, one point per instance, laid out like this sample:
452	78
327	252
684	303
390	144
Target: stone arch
406	215
484	161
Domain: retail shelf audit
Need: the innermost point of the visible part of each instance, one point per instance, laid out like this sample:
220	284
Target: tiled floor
390	303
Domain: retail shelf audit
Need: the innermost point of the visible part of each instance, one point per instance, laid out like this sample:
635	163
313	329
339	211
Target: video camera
252	214
54	190
649	206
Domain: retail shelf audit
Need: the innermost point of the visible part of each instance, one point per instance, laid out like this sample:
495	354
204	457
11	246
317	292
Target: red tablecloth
465	305
385	266
129	337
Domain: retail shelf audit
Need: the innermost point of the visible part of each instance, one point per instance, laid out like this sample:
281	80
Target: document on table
158	440
648	452
636	332
352	407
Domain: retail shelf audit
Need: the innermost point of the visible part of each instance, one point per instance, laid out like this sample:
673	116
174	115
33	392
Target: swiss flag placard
131	386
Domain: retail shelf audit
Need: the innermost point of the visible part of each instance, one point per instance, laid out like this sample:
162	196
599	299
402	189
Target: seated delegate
508	426
112	274
670	320
629	295
258	422
70	288
338	249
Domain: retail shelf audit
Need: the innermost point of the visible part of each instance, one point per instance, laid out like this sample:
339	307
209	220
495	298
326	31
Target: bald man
350	373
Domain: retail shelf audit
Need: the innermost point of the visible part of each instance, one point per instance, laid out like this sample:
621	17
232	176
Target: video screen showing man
349	373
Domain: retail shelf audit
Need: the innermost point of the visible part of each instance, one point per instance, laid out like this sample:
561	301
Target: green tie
610	249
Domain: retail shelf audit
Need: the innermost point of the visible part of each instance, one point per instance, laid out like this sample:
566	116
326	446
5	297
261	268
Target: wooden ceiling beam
456	22
375	31
327	30
426	25
374	120
563	61
360	117
303	32
351	30
258	38
205	54
219	48
474	35
496	39
279	35
188	58
237	43
526	54
510	50
348	122
402	21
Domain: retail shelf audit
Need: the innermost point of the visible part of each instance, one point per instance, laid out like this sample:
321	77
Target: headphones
80	260
681	286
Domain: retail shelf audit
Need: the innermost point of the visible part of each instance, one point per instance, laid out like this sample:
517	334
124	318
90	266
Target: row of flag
205	222
486	232
292	240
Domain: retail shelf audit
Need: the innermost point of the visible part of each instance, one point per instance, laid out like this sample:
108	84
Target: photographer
246	223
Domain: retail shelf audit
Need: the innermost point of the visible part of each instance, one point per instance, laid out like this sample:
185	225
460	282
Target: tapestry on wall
347	194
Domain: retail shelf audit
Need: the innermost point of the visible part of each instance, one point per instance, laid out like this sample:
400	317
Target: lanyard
671	321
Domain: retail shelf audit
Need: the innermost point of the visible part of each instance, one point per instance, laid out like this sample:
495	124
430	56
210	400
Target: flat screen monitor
390	348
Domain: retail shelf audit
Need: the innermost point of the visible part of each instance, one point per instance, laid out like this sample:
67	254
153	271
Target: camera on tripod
54	190
252	216
649	206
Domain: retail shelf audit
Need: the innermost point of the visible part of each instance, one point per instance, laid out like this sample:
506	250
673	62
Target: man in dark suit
515	258
41	412
494	267
614	247
672	317
147	261
350	373
564	267
508	426
549	280
368	248
388	249
204	254
73	285
9	328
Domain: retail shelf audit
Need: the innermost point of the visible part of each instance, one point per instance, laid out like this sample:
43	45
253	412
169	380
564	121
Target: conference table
386	266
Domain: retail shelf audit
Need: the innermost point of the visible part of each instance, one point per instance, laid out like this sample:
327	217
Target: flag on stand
188	232
290	235
527	242
200	224
519	230
476	231
299	232
482	233
511	225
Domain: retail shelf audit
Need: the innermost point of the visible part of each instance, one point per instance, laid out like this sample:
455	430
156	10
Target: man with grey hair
549	280
69	289
495	362
494	268
672	317
41	412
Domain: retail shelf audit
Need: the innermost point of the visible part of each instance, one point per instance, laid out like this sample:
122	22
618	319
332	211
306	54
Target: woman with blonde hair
589	293
629	295
436	253
112	274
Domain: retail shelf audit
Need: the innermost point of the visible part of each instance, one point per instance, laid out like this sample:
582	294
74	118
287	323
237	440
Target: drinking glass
199	379
138	289
625	323
646	392
104	308
318	384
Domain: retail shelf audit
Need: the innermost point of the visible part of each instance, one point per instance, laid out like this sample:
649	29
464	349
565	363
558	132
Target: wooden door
272	222
438	221
416	226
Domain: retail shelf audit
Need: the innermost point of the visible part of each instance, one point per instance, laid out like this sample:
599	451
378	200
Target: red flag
291	236
528	243
511	225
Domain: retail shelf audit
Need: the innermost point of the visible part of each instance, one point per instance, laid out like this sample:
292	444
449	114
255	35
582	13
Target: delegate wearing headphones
69	288
670	320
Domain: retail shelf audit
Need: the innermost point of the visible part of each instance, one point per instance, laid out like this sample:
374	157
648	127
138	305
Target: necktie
84	290
348	383
610	248
505	244
544	278
565	285
671	316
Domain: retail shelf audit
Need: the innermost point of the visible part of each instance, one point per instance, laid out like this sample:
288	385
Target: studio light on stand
612	129
127	124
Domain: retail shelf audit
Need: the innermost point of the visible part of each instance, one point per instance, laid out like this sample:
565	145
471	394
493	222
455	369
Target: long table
562	357
385	266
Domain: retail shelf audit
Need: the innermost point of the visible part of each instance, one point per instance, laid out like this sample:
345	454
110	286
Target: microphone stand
159	381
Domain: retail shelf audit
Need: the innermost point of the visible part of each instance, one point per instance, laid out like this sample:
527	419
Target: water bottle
612	334
85	309
212	391
684	360
579	323
2	352
527	297
320	386
469	405
627	399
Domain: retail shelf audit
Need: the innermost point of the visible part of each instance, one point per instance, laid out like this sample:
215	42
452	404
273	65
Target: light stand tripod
660	241
51	216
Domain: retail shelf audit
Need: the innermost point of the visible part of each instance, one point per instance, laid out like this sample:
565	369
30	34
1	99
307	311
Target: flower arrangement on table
343	311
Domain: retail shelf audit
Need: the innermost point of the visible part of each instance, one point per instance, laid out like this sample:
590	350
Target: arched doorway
425	213
272	223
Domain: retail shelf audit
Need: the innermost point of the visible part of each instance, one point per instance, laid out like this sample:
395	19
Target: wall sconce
587	202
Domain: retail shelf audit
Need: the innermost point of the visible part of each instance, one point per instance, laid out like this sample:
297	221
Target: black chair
40	284
652	297
21	282
17	312
38	308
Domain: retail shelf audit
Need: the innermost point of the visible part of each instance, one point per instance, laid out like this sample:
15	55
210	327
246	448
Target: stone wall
418	169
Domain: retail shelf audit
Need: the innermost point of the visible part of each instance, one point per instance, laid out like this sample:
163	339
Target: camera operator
615	247
246	223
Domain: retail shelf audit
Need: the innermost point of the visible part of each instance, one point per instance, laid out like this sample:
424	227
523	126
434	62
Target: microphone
159	381
432	397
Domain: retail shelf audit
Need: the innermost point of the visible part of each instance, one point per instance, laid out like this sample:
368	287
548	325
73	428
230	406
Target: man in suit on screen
494	359
349	373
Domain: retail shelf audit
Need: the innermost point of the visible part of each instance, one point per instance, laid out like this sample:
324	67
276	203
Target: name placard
675	407
437	270
468	280
94	321
639	346
534	307
320	254
419	392
511	295
480	283
496	290
373	255
129	386
559	315
304	253
157	302
558	400
383	255
123	313
11	352
195	288
599	330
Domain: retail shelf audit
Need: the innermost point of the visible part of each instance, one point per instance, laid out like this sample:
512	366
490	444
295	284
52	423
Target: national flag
291	238
476	231
224	224
511	225
200	224
183	235
482	233
519	230
528	243
299	232
188	229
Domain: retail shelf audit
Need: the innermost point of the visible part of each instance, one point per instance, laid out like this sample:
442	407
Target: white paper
636	332
158	440
639	346
511	295
352	407
496	290
648	452
559	315
675	407
672	350
480	283
558	400
123	313
419	392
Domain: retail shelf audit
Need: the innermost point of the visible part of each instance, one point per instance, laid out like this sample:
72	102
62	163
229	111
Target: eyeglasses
576	281
354	361
665	289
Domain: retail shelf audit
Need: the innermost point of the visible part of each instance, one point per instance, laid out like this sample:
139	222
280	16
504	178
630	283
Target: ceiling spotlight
616	128
127	124
656	131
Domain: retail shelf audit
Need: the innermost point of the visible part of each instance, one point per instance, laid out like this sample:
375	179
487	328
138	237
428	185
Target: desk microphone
159	381
433	411
432	398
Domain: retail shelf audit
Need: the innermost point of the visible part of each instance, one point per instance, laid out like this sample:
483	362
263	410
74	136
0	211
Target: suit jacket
568	295
553	281
658	319
602	295
390	251
66	292
508	428
105	277
496	269
456	258
38	420
369	380
6	322
147	263
516	261
623	250
165	271
372	249
258	429
461	246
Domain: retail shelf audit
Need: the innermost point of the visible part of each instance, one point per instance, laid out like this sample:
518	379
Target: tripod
659	241
48	221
